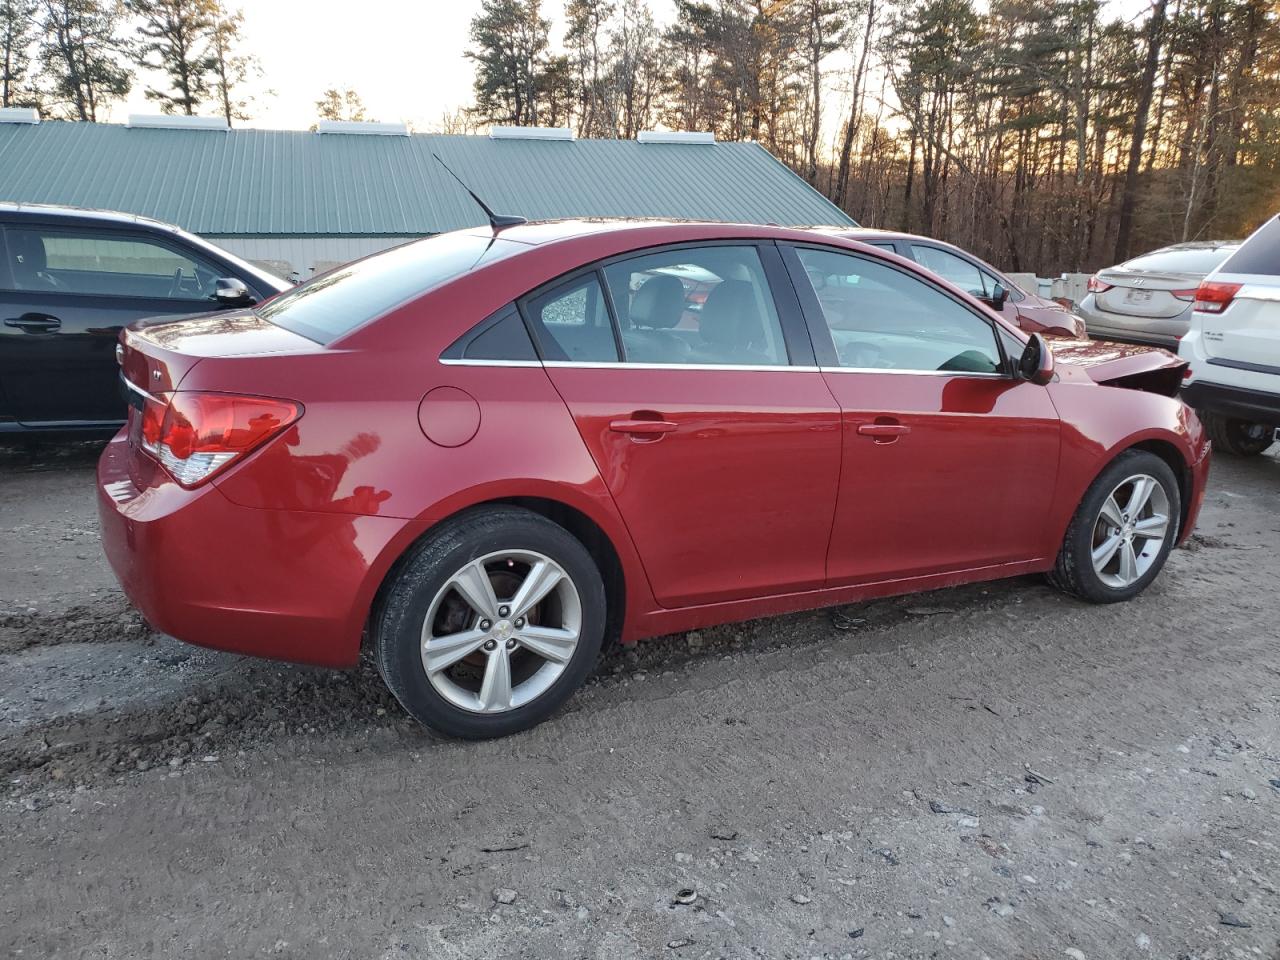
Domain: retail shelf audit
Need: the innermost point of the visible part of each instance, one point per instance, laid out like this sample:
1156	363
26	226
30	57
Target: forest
1044	135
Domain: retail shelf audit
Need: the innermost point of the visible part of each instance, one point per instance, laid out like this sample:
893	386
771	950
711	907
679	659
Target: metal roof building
302	201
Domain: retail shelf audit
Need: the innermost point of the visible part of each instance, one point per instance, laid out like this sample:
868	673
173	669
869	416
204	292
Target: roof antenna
496	220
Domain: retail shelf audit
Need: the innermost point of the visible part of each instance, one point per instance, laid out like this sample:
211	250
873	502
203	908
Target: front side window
697	305
882	318
102	264
950	267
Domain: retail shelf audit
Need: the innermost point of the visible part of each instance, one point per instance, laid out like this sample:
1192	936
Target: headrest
659	303
730	316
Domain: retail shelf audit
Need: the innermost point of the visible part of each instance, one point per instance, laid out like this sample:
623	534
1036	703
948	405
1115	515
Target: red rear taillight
1187	295
198	434
1098	286
1214	297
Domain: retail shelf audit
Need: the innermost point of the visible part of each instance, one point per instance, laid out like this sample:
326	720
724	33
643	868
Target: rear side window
336	303
1260	253
102	264
698	305
1198	260
573	322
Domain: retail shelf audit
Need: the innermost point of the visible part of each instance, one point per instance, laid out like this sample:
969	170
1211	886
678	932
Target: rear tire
1242	438
1122	532
490	624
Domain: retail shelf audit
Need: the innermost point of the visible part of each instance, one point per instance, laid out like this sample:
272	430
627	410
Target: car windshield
337	302
1200	260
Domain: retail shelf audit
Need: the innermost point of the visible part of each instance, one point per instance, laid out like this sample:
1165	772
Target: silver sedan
1148	299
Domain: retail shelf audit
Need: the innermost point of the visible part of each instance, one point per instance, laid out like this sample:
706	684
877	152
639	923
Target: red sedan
483	454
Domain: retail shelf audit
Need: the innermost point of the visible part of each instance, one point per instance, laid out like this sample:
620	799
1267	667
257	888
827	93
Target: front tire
491	623
1122	532
1242	438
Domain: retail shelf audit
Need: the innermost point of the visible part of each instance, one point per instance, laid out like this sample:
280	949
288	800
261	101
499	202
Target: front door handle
643	428
883	432
34	322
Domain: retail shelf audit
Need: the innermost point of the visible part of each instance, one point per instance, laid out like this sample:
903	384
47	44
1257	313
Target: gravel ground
990	771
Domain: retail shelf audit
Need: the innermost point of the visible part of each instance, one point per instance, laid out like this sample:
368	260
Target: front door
64	295
949	462
713	429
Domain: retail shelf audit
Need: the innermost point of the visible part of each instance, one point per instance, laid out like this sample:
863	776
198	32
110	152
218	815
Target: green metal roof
282	182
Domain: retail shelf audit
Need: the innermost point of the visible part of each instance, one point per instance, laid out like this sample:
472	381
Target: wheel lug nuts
511	644
485	624
491	645
520	623
503	611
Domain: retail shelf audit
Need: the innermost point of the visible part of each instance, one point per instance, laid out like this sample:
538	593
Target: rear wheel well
581	526
1181	470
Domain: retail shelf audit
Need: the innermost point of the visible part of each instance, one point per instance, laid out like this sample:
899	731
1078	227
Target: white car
1233	347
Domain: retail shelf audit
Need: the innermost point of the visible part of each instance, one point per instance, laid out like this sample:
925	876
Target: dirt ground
993	771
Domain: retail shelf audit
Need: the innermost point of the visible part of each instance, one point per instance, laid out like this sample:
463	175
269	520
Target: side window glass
882	318
502	339
950	267
100	264
699	305
573	322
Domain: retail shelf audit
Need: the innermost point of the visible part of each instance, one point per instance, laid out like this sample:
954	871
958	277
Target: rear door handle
643	428
34	322
883	430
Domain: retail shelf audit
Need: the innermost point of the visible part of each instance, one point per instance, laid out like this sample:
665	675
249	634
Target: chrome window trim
480	362
916	373
623	365
769	368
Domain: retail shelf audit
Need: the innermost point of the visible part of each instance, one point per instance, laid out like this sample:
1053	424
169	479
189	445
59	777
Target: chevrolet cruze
480	456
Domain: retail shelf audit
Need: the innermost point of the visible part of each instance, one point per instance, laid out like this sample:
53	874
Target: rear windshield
336	303
1260	253
1180	261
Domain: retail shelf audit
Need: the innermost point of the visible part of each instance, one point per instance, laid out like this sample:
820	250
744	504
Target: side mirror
998	297
1036	363
232	292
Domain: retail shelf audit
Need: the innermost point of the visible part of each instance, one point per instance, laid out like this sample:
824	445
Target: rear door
67	291
721	446
949	462
1247	334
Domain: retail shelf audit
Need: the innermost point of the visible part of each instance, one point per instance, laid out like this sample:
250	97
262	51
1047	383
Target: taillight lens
195	435
1099	286
1213	297
1187	295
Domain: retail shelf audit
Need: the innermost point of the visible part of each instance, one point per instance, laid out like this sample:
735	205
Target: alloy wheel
1130	530
501	630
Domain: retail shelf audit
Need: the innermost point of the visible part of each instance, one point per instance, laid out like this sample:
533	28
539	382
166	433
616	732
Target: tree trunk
1129	200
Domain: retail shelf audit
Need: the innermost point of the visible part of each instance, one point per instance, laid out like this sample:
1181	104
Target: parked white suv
1234	347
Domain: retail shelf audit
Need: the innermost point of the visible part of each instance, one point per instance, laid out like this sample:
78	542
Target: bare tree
18	30
80	55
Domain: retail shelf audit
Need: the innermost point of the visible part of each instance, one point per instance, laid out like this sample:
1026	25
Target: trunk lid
1146	293
1124	365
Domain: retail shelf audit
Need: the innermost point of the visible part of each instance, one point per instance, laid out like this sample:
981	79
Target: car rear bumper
1237	403
1119	326
288	585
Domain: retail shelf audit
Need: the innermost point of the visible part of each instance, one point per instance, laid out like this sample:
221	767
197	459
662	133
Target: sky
404	57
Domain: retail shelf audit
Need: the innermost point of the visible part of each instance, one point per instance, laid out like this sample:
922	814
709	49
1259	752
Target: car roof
85	213
540	232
